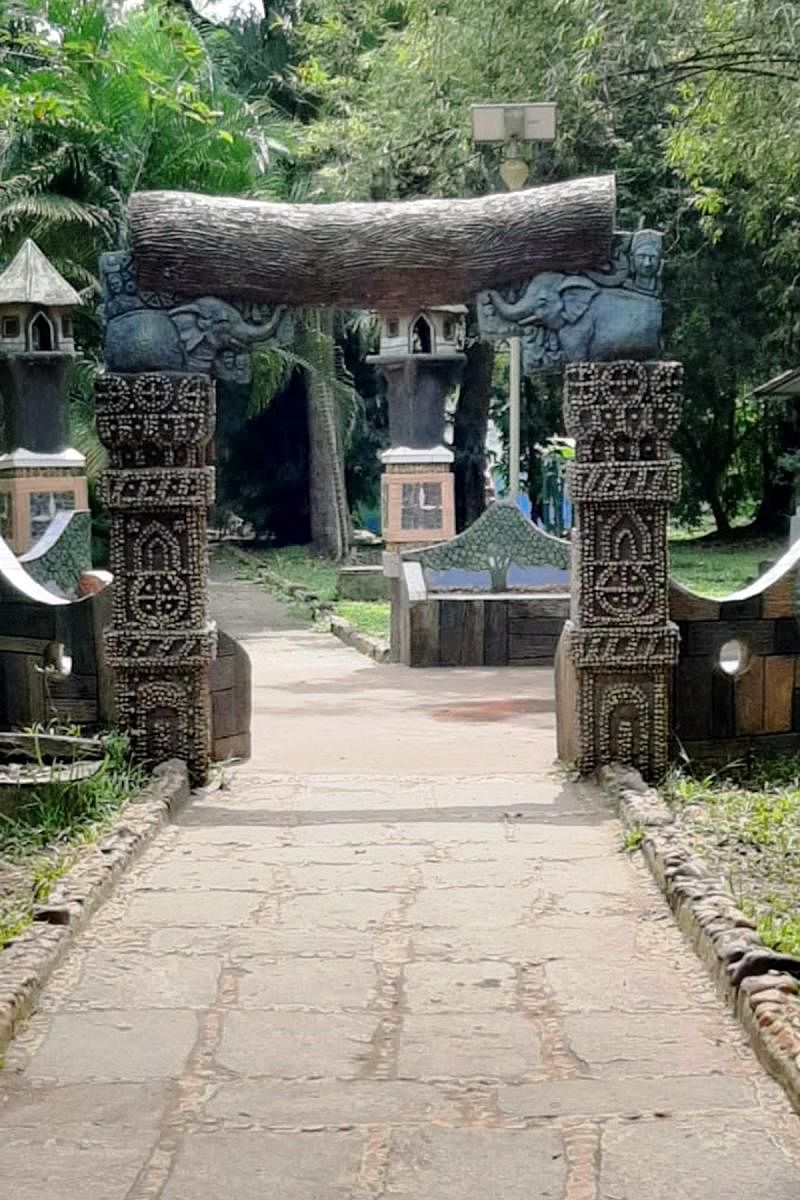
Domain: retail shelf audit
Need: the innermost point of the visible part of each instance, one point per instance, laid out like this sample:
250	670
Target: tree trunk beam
388	255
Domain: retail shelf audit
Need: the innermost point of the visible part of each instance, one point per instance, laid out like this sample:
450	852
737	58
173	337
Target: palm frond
51	209
83	430
315	353
272	367
84	437
331	384
363	324
25	176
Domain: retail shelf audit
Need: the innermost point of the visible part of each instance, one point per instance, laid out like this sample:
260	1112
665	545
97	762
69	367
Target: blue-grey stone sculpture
158	331
595	316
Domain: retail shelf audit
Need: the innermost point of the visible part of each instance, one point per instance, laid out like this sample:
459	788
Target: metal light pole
512	124
514	173
514	408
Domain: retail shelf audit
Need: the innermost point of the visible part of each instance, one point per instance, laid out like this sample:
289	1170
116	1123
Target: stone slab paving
394	957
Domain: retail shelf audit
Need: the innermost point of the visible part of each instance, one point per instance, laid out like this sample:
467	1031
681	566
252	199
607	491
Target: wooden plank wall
27	628
479	631
716	717
231	703
86	696
719	717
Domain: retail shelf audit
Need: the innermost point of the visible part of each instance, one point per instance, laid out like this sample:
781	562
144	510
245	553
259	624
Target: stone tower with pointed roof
41	474
421	355
36	305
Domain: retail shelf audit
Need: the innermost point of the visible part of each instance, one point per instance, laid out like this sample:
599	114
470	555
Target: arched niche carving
421	335
41	333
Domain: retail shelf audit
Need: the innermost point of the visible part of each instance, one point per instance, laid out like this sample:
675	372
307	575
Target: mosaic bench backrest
500	552
62	553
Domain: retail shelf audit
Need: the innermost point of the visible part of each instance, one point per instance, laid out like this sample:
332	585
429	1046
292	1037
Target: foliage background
695	104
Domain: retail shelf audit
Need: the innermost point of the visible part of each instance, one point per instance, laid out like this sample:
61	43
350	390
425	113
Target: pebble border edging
363	642
28	961
748	974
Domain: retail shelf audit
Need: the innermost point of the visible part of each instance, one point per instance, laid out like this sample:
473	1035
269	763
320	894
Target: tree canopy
694	104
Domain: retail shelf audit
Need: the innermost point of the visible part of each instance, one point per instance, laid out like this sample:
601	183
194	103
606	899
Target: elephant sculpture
571	318
204	336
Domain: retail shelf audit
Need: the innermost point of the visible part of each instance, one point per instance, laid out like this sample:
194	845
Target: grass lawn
299	565
718	568
745	824
372	617
43	827
708	567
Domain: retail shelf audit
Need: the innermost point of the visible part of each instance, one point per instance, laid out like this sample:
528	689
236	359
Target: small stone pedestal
420	360
158	491
618	650
417	497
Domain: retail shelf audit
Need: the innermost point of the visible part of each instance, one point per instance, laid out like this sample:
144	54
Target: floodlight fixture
514	172
528	122
510	125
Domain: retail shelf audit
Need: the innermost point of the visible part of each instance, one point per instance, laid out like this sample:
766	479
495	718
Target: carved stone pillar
158	491
619	647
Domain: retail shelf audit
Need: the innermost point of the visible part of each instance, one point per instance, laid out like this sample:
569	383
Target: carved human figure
119	288
646	253
233	367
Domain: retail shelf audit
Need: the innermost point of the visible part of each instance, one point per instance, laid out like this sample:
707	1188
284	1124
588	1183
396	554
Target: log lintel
389	255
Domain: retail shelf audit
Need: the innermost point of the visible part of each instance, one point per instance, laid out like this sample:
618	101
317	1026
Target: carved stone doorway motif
209	278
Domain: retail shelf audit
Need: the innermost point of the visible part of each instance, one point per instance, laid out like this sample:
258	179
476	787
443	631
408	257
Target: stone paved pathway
396	957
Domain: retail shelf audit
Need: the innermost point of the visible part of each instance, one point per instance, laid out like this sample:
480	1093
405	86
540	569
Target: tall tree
652	89
470	428
330	514
94	106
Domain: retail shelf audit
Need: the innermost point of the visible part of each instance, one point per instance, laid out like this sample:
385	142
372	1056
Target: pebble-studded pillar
158	491
618	649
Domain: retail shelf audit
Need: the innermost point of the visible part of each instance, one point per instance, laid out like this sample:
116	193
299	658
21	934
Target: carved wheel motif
158	598
624	590
623	383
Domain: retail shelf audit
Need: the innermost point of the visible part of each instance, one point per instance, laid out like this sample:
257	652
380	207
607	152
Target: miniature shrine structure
40	475
421	355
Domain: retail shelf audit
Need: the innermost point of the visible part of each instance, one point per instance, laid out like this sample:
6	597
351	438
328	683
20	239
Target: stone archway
181	309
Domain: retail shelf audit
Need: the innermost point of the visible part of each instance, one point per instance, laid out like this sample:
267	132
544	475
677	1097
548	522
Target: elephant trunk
509	311
249	333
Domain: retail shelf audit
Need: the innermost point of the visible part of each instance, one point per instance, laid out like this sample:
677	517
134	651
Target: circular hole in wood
734	657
